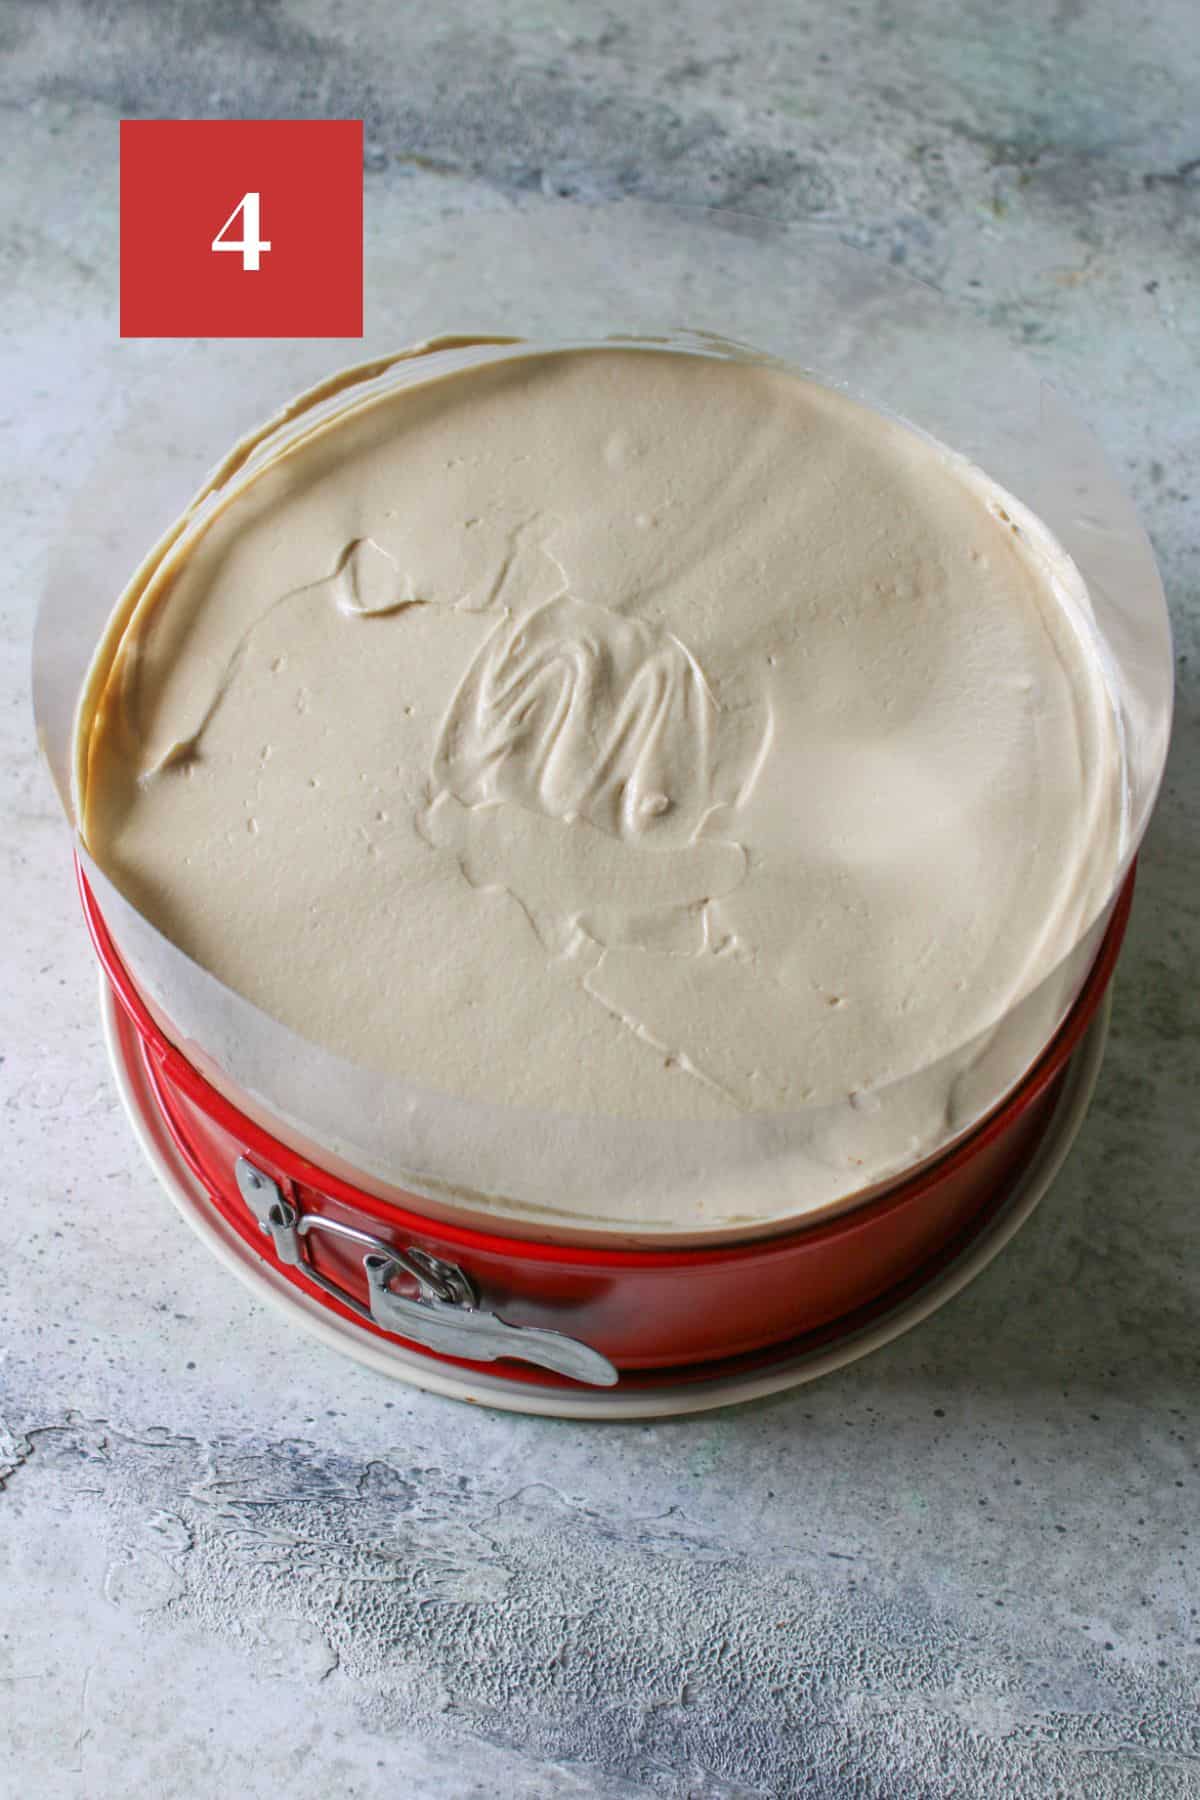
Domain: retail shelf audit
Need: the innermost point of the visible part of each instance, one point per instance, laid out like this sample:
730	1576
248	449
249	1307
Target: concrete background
230	1563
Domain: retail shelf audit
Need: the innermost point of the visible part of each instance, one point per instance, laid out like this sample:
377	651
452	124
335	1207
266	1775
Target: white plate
789	1370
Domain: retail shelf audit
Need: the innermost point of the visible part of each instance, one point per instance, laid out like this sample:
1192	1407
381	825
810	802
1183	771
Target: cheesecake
621	732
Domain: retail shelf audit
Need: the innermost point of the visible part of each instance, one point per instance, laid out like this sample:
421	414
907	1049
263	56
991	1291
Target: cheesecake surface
627	732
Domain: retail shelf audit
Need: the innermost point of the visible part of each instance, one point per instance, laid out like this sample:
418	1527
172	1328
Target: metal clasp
445	1315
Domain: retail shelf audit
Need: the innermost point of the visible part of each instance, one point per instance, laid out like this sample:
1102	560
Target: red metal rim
179	1070
731	1367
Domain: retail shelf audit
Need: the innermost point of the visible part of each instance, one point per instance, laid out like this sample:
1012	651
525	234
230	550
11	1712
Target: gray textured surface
230	1563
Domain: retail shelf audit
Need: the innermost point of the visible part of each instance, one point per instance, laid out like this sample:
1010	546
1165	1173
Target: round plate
790	1369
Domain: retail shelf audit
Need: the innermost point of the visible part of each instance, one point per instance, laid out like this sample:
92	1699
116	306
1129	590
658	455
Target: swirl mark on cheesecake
577	712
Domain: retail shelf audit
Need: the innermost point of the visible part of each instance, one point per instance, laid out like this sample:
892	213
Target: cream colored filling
615	731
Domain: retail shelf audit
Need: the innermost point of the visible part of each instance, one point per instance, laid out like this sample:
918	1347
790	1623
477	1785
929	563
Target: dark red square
185	182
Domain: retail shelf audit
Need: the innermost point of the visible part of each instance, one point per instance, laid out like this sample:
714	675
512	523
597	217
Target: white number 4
250	244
